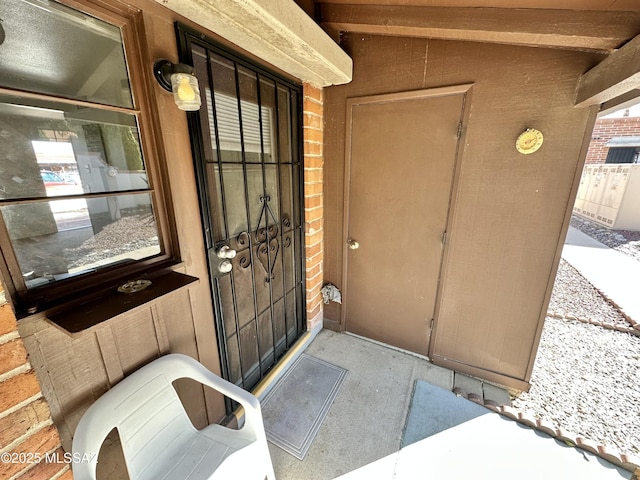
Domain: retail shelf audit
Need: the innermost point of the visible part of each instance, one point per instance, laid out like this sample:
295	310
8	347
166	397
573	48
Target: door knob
353	245
226	252
225	266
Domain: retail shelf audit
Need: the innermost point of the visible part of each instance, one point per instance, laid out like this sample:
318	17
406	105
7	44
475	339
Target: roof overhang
279	32
596	31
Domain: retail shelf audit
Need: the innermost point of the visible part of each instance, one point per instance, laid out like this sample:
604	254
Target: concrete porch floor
366	421
361	435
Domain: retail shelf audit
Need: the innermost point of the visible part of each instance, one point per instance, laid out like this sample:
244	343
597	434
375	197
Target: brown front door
401	155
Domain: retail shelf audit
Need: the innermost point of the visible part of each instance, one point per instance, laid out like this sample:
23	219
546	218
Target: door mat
296	406
434	409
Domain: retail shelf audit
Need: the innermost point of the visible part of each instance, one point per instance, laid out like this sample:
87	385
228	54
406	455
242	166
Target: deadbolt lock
226	252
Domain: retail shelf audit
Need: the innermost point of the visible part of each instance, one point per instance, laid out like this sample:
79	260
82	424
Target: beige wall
510	210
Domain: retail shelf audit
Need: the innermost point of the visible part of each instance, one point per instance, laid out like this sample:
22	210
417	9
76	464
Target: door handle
352	244
226	252
225	266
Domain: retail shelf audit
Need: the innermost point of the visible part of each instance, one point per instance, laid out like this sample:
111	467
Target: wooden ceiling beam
615	76
579	30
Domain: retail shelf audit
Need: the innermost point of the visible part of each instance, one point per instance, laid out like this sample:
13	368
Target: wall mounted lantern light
179	79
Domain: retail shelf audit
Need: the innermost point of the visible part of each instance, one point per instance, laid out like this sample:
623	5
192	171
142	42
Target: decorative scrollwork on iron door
269	245
286	221
267	254
243	244
267	239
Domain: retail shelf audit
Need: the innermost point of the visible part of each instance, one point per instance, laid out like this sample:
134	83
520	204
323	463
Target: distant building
616	138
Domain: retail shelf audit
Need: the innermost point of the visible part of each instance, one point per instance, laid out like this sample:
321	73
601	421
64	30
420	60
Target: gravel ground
122	236
586	379
625	241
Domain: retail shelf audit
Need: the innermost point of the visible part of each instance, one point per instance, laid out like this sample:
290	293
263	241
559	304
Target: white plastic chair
158	439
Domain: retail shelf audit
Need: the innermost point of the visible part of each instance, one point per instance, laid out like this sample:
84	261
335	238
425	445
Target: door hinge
459	130
444	237
431	325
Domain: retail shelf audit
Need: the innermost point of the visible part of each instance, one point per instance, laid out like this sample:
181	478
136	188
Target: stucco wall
510	210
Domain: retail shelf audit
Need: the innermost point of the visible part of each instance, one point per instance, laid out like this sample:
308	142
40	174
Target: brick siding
607	128
313	204
26	428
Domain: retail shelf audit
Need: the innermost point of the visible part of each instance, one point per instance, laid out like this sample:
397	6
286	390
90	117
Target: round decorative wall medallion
529	141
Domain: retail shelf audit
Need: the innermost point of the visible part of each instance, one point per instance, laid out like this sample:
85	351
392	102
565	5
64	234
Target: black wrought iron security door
246	141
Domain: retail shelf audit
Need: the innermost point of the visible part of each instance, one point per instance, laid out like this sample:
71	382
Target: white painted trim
277	31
